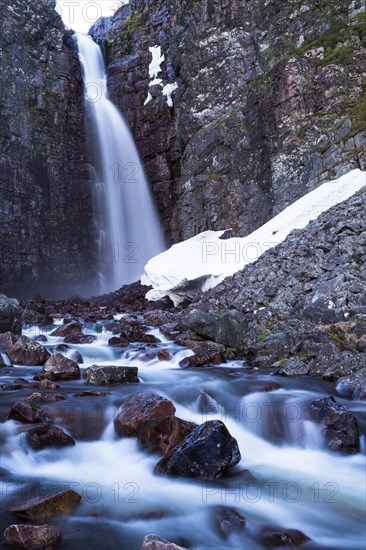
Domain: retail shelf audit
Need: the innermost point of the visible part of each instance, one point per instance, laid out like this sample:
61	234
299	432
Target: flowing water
128	228
294	483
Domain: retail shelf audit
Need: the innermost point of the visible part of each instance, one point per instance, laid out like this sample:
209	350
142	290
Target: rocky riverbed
240	413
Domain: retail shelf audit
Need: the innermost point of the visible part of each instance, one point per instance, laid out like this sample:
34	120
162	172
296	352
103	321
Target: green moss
263	335
282	362
305	355
357	111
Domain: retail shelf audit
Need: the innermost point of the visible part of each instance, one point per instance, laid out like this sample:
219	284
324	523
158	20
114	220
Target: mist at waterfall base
126	220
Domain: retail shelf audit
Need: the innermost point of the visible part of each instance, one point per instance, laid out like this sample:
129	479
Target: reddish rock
32	537
206	453
205	353
160	436
139	408
26	351
62	368
79	338
274	538
118	342
66	329
164	355
48	435
26	412
45	397
44	507
228	520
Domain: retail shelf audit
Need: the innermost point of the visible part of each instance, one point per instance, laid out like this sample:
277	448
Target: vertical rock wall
46	226
271	102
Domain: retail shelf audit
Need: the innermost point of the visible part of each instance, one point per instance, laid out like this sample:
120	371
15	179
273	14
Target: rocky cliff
270	102
46	222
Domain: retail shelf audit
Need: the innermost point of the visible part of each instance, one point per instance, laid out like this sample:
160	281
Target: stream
293	481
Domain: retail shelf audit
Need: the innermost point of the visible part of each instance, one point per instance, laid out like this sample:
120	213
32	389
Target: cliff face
46	220
269	103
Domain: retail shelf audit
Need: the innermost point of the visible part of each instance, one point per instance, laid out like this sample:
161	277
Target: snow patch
154	70
202	262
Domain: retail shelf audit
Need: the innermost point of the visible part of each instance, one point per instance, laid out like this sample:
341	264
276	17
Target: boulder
207	452
294	367
48	435
118	342
66	329
79	338
10	315
26	412
7	340
26	351
61	367
353	386
276	538
32	537
227	520
44	507
160	436
141	407
338	425
205	353
153	542
99	376
164	355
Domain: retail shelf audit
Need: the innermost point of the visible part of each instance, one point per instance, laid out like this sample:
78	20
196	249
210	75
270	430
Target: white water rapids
127	223
297	483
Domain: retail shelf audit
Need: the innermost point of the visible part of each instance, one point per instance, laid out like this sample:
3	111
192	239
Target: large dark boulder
162	435
66	329
32	537
277	538
26	412
338	425
10	315
62	368
206	453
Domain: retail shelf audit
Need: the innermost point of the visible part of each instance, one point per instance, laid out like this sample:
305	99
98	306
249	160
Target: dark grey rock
353	386
99	376
10	315
294	367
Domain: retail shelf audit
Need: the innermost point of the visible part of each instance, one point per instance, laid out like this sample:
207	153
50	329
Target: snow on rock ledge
202	262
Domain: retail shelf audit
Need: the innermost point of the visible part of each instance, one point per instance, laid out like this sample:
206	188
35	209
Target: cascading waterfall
129	232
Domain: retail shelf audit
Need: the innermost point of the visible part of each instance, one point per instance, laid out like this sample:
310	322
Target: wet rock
79	338
205	353
26	351
93	393
348	363
98	376
206	453
10	315
294	367
353	386
206	403
48	435
162	435
32	537
62	368
338	425
44	507
275	538
153	542
41	338
26	412
140	408
46	397
118	342
272	348
76	356
7	340
47	385
227	520
66	329
164	355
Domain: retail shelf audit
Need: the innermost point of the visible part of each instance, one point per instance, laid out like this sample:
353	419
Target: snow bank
154	70
203	261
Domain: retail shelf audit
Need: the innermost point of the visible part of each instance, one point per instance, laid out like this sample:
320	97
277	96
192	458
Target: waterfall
127	223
